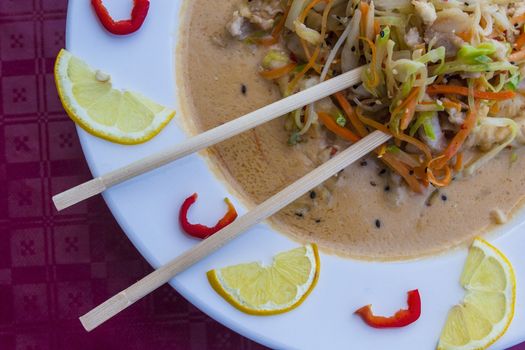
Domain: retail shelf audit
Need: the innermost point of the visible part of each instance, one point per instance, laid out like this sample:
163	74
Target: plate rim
152	260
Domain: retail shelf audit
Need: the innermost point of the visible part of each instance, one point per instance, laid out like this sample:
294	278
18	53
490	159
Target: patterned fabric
54	268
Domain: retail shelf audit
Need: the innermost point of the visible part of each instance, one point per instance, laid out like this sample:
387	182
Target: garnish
401	318
488	306
269	290
126	26
199	230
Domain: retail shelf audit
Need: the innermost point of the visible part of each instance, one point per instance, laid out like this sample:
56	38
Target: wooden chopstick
157	278
208	138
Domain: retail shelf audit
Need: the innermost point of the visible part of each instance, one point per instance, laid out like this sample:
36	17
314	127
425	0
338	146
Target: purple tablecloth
55	267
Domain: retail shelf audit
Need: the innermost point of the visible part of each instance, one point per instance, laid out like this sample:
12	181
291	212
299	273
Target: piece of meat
456	117
254	15
486	137
412	37
512	108
450	41
520	138
238	27
443	31
452	20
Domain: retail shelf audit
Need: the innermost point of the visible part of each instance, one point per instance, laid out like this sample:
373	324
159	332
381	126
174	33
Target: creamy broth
360	219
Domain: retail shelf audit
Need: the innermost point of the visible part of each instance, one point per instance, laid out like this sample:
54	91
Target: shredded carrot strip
278	72
518	19
449	104
308	8
409	108
466	35
463	91
403	137
420	145
517	56
388	158
350	114
459	162
377	27
308	55
273	38
494	109
381	151
337	129
306	49
413	94
372	66
445	181
364	7
397	142
306	68
457	141
520	41
324	20
402	170
312	61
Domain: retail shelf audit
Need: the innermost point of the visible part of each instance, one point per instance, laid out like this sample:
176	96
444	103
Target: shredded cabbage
496	122
296	8
408	48
310	35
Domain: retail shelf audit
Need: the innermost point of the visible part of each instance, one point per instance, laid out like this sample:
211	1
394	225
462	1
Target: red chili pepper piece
402	318
126	26
202	231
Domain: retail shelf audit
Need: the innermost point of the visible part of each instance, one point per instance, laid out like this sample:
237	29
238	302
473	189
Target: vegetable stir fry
442	76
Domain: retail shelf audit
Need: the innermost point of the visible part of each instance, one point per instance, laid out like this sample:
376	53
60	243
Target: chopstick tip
78	193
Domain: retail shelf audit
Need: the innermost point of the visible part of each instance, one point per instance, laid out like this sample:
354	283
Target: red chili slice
126	26
401	318
202	231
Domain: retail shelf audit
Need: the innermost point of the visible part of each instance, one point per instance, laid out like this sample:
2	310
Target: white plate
146	209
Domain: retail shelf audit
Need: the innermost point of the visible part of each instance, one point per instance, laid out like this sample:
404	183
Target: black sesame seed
373	184
363	163
317	220
378	223
387	188
313	194
383	171
355	86
353	49
411	172
382	33
244	89
444	198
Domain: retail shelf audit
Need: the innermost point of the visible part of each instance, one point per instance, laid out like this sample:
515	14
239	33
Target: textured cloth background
54	268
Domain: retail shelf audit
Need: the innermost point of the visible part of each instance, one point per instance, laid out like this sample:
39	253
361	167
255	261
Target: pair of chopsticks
157	278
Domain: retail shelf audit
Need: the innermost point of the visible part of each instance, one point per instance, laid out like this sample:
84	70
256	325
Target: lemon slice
488	307
281	287
89	99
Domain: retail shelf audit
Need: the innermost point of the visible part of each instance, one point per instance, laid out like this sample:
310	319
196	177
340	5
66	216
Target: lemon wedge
89	99
259	290
488	306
